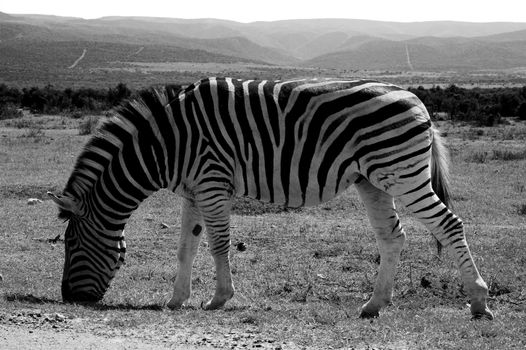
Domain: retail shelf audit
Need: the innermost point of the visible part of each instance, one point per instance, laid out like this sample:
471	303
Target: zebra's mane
150	103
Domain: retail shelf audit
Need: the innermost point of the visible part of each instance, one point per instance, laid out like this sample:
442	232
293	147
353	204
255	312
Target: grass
304	273
88	125
483	156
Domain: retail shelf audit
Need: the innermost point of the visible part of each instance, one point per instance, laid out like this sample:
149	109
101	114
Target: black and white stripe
294	143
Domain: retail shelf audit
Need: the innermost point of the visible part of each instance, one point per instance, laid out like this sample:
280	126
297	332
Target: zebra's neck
131	156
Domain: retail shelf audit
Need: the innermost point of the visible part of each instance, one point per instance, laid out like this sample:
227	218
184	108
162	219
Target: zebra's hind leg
191	231
390	238
449	231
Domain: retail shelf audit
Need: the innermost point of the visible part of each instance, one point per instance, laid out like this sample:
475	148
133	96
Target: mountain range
49	42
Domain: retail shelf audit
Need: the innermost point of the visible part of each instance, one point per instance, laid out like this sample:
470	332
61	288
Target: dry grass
88	125
302	278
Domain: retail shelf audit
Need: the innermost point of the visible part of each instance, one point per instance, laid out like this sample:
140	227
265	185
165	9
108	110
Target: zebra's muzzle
68	296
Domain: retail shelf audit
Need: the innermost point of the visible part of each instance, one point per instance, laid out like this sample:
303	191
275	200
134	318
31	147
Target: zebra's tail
440	173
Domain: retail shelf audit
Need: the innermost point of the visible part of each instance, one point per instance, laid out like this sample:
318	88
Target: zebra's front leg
216	214
191	231
224	286
390	238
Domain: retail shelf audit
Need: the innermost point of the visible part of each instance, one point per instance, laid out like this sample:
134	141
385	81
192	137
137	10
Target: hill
425	54
40	46
136	31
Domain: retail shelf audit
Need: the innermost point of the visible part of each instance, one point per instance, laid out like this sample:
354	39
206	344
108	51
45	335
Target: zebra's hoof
213	304
480	311
369	315
487	315
208	306
174	305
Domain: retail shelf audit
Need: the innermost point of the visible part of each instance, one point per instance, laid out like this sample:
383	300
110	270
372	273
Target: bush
34	132
23	123
521	112
485	106
477	157
10	111
51	100
521	209
507	154
88	125
76	115
497	154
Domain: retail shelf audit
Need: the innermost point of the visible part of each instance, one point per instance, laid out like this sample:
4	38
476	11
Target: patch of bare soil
33	329
20	337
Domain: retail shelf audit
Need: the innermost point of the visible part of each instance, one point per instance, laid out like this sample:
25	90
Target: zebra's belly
313	197
294	195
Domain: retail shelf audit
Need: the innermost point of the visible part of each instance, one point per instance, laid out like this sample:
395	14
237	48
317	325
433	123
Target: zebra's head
93	253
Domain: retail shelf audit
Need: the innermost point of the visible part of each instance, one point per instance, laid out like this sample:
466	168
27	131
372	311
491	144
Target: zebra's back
302	142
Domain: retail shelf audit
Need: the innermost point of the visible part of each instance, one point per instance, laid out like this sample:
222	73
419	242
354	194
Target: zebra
295	143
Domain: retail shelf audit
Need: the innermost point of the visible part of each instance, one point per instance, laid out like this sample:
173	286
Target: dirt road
21	338
32	329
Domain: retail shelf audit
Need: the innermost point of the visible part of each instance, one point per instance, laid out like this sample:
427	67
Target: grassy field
304	275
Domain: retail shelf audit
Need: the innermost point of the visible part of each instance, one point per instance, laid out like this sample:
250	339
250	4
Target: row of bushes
50	100
485	106
482	105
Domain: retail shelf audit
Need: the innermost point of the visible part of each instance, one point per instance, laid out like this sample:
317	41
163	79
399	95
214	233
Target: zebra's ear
65	205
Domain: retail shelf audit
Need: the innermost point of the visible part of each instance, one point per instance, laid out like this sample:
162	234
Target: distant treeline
485	106
50	100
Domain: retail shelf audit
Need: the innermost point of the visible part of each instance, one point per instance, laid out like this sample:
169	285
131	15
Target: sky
271	10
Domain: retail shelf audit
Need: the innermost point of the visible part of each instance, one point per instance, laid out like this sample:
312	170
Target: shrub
477	157
10	111
505	154
489	119
521	111
496	154
485	106
518	187
76	115
521	209
23	124
88	125
34	132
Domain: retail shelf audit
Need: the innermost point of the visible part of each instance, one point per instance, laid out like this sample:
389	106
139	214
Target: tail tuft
440	173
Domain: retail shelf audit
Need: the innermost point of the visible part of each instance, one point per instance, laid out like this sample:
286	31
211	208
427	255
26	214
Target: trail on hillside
78	59
138	51
409	64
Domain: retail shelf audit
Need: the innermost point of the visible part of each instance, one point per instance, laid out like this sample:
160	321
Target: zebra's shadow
29	298
32	299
